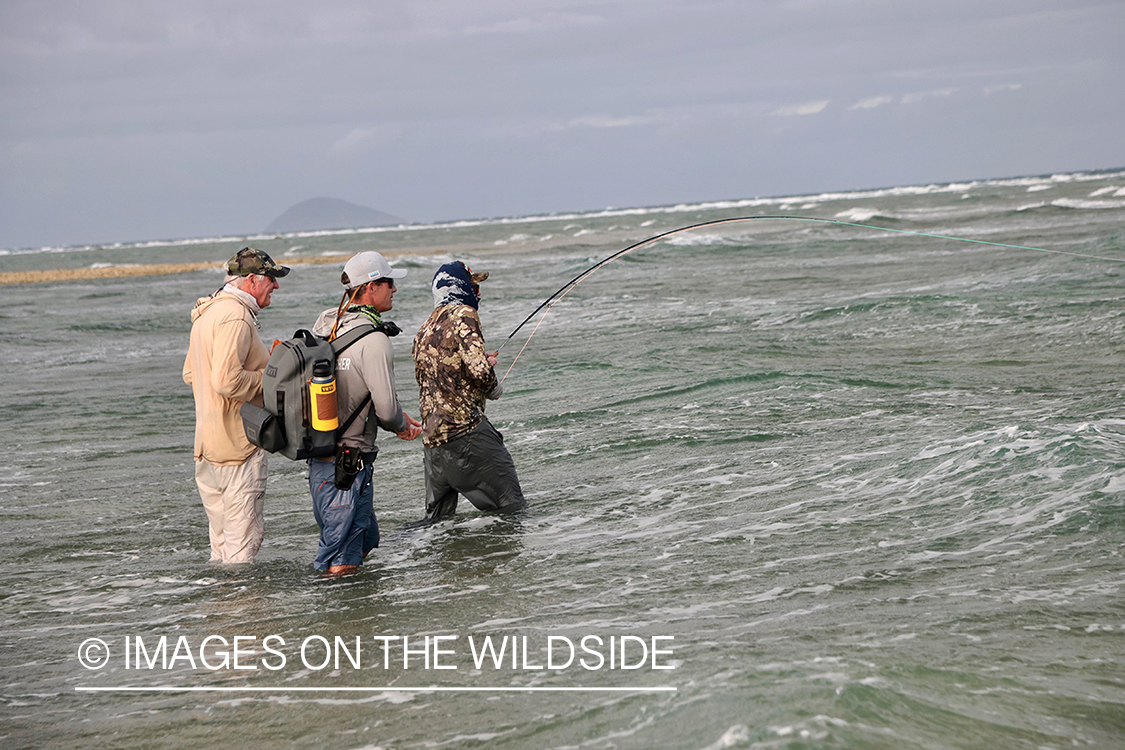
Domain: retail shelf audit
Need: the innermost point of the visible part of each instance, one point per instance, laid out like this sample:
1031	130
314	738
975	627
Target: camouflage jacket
453	374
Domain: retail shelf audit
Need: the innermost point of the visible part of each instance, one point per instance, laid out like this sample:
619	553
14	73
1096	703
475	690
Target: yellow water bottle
322	397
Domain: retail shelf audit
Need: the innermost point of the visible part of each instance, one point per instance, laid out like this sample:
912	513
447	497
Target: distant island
329	213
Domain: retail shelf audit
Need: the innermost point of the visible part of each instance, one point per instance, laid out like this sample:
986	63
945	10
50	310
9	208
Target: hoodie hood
327	319
349	320
204	303
454	286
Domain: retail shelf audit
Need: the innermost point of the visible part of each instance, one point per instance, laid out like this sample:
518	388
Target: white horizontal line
173	689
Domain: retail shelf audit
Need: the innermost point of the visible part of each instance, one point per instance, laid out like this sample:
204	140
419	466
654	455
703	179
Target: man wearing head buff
462	452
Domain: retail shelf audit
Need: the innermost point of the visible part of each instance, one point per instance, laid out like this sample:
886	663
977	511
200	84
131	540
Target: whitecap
892	192
1089	205
858	214
736	735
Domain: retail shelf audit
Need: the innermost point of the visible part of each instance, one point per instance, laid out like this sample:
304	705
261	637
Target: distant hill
329	213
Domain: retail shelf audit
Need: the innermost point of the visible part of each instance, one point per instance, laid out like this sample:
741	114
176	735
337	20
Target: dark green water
872	485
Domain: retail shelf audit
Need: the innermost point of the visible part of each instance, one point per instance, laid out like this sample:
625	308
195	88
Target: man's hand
492	357
413	428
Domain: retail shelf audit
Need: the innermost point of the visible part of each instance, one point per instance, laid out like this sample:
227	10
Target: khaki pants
234	498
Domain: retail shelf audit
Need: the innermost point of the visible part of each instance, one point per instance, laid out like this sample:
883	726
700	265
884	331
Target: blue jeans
346	518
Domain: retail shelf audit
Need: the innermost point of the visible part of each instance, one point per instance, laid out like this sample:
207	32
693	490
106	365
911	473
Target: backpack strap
389	329
340	343
348	422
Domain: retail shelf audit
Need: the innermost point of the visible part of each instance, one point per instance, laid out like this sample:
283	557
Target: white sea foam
1087	205
788	201
858	214
736	736
701	239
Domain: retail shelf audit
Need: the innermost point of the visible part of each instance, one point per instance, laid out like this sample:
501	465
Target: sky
126	121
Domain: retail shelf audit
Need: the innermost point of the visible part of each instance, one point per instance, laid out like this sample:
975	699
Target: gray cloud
159	119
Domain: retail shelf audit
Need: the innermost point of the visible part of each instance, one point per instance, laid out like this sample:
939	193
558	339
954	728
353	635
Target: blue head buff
453	284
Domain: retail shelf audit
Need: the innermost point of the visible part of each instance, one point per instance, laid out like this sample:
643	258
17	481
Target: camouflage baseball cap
252	260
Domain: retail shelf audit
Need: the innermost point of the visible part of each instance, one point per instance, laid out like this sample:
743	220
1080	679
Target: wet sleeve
187	368
229	376
379	374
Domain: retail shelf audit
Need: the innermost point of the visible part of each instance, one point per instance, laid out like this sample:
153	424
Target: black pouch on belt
348	464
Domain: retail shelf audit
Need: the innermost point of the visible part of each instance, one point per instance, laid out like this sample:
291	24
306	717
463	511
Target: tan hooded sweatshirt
224	366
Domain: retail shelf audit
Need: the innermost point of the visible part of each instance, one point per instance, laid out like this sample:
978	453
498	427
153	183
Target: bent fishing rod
566	288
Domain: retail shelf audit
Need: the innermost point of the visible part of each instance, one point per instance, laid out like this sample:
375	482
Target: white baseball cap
366	267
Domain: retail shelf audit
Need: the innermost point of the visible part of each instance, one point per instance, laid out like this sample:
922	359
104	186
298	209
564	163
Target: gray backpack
285	424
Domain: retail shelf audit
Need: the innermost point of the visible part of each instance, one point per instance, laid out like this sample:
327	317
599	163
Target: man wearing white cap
365	382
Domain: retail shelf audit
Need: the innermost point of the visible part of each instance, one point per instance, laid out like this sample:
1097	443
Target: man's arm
379	376
498	391
475	362
229	378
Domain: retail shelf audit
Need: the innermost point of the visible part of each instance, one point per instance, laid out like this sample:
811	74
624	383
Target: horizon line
533	217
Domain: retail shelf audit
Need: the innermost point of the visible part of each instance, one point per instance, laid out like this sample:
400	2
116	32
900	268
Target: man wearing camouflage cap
224	366
463	454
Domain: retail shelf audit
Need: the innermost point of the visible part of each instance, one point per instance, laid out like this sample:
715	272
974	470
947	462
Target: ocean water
824	486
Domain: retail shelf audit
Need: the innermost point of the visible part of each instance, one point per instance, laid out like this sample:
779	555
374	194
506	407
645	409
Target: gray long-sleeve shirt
367	366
